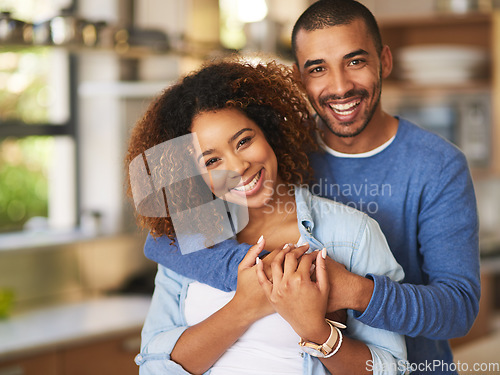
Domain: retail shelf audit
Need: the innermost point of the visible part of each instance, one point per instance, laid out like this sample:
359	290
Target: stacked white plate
434	64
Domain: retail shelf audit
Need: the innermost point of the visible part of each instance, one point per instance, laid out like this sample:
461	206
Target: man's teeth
344	109
250	185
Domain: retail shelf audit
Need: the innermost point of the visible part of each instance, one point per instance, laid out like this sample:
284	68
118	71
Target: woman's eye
211	161
244	141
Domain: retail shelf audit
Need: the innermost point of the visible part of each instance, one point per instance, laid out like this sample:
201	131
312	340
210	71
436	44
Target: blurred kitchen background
74	77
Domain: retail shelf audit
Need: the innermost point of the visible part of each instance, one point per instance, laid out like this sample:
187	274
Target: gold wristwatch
328	348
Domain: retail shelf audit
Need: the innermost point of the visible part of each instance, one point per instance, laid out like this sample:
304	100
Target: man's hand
347	290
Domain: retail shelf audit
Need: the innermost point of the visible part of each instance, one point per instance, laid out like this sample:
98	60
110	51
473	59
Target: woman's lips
251	186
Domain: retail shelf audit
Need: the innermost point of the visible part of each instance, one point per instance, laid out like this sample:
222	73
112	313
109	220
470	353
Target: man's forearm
223	258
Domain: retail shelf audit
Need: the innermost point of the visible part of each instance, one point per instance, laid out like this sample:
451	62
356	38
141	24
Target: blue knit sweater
420	191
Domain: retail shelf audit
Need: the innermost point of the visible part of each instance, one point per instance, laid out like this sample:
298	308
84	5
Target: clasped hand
294	284
298	298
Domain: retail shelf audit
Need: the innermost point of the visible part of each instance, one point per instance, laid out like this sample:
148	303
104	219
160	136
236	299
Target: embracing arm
224	257
446	306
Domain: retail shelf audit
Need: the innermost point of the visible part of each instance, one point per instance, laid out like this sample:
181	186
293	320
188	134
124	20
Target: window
37	130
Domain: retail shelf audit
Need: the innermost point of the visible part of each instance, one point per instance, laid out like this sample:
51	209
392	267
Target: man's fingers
306	263
263	280
277	264
299	251
321	273
252	254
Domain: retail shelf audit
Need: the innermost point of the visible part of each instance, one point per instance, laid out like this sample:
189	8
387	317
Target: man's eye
317	69
357	62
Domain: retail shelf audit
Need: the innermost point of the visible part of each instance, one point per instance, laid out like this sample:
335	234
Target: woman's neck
276	221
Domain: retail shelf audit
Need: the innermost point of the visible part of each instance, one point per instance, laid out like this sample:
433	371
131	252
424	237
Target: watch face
313	352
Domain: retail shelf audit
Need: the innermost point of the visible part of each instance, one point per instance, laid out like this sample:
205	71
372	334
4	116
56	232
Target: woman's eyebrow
238	133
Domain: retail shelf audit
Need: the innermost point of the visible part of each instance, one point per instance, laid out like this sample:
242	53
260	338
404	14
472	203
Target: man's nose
339	83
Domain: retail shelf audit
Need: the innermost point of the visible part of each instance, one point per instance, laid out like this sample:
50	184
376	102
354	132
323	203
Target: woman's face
242	167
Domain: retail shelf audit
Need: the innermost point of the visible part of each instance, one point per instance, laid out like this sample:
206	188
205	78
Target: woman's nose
237	164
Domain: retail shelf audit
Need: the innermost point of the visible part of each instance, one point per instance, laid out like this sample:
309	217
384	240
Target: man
415	184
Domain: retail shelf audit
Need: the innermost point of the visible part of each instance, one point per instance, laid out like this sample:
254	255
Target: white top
269	346
375	151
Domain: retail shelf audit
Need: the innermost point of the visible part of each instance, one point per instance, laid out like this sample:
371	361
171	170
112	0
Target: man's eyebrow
309	63
350	55
355	53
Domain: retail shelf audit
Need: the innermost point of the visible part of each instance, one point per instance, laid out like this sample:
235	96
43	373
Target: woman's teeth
345	109
250	185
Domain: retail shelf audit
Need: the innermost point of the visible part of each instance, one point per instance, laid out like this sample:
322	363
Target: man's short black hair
328	13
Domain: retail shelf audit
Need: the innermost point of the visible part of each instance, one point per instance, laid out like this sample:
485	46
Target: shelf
479	30
435	19
473	30
416	88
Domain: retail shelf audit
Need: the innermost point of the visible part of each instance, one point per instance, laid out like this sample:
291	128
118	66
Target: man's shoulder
424	142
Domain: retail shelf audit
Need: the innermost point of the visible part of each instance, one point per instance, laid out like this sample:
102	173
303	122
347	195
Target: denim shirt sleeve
373	255
164	324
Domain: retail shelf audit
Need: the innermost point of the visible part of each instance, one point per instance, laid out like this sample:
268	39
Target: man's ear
296	73
386	61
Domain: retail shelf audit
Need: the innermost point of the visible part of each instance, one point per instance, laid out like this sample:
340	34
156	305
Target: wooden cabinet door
112	356
45	364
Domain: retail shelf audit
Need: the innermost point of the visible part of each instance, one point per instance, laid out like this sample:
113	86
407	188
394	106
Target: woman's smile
250	186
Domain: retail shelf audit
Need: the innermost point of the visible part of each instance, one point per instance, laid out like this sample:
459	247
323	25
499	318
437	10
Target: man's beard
369	115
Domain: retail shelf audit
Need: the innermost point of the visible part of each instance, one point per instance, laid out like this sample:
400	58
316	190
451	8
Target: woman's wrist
247	313
317	334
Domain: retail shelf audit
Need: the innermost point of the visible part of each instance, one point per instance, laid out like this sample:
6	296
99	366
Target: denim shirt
350	237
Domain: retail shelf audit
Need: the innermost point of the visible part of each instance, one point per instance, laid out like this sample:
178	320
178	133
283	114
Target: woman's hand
268	259
299	300
248	291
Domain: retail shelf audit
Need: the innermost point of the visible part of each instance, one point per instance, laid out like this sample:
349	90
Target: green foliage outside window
23	180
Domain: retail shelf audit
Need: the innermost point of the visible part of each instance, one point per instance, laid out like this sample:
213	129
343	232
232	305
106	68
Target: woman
246	131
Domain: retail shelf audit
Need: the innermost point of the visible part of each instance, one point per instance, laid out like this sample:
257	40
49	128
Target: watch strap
328	348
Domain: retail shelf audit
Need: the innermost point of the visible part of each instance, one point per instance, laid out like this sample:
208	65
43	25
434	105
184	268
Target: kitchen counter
58	326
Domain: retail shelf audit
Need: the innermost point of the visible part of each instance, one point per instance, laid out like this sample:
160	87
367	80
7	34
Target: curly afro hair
265	93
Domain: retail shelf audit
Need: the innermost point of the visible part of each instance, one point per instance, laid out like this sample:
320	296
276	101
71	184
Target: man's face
342	73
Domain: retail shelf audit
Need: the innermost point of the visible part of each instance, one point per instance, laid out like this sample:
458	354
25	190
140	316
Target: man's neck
380	129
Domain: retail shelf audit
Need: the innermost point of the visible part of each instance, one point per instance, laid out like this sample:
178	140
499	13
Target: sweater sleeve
447	305
224	259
